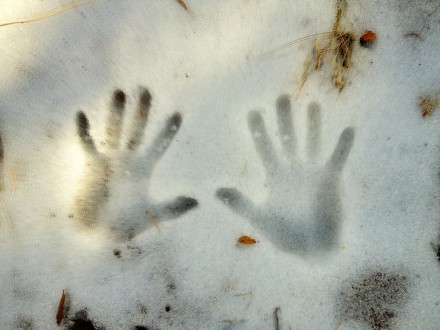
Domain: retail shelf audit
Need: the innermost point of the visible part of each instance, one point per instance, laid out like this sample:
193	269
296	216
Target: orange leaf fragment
246	240
367	38
60	313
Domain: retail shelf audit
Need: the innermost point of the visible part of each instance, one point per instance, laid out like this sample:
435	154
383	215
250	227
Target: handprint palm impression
303	211
118	169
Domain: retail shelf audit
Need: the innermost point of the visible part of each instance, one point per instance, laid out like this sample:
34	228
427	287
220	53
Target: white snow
213	66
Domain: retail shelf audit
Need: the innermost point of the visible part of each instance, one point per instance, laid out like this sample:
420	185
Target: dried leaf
246	240
367	38
60	313
183	5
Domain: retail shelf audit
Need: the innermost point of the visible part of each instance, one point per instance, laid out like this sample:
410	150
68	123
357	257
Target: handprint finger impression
303	211
107	169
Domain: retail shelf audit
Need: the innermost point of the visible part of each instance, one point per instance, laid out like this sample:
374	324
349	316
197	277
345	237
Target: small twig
276	313
150	216
413	35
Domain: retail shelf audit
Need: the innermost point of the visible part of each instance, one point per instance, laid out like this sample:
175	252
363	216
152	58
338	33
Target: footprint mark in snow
119	167
303	210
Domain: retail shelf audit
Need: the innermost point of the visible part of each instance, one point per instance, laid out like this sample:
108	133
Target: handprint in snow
303	210
120	170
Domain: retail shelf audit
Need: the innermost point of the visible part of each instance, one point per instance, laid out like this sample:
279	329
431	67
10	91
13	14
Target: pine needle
290	43
339	47
51	12
150	216
184	6
7	217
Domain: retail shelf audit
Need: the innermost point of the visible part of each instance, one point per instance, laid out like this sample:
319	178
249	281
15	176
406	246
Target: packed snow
143	140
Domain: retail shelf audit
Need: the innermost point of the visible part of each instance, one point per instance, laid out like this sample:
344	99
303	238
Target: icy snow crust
211	66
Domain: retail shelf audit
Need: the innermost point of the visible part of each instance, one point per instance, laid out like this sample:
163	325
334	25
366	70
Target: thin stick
150	216
412	35
50	13
277	317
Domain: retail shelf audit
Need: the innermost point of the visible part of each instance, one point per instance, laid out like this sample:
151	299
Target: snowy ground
375	267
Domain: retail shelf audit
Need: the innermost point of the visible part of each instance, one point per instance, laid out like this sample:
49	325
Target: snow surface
212	66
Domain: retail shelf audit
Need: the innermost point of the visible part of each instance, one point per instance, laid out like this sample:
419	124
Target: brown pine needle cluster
338	51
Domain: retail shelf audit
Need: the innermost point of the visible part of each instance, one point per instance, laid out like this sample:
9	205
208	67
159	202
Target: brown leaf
60	313
246	240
